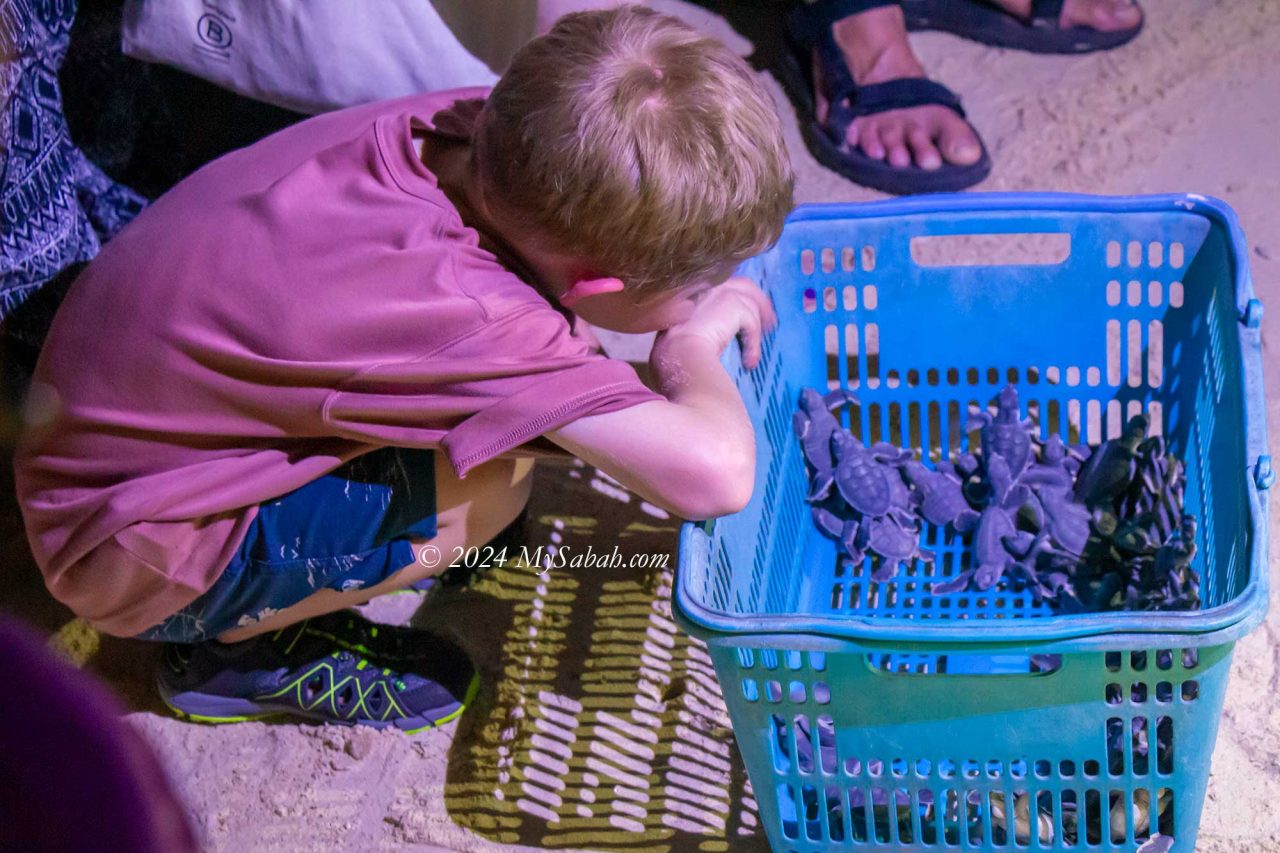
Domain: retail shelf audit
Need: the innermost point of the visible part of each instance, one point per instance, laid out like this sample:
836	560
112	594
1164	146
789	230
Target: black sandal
987	23
809	28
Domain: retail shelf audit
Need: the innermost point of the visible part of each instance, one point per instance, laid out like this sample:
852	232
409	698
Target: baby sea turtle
1006	433
1006	491
997	542
814	424
1065	521
1111	468
844	528
939	496
1137	535
861	474
991	546
1051	469
896	542
1180	551
1173	570
1021	818
1158	488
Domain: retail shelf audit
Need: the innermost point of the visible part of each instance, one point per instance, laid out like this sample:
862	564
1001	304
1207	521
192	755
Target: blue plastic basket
879	716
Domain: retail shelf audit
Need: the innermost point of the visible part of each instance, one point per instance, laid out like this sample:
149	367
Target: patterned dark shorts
347	530
56	207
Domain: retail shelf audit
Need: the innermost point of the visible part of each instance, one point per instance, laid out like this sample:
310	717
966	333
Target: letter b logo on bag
214	31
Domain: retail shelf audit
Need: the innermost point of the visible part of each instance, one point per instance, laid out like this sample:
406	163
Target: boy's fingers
750	349
750	337
764	305
770	315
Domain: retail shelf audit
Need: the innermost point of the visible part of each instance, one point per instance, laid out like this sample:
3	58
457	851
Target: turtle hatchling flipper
966	521
885	571
838	398
855	538
986	577
1020	543
820	488
828	522
958	583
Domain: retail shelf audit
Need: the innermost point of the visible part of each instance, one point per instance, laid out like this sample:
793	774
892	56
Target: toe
1124	14
864	134
958	142
894	141
922	148
1110	15
1103	15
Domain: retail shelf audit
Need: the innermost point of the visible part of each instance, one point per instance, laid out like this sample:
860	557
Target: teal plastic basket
878	716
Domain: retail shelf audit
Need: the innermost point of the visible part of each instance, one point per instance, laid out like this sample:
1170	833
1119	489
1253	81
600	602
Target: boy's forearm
689	374
687	371
692	454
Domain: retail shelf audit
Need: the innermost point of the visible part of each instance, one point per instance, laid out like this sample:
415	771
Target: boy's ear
585	287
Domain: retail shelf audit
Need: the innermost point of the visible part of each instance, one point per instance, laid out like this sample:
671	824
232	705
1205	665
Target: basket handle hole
990	250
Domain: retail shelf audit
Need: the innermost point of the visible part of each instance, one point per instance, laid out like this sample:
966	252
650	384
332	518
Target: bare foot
875	48
1103	15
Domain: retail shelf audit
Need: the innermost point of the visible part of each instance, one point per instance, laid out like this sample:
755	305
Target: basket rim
1226	622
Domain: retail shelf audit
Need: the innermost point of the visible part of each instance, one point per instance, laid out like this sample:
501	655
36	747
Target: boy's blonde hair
640	144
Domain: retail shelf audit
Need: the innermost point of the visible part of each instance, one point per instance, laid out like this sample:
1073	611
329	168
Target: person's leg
469	513
335	542
876	50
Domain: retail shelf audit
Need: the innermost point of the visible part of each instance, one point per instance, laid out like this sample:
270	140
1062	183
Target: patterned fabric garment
56	208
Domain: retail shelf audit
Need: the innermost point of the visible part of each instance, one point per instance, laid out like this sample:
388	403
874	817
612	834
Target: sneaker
298	671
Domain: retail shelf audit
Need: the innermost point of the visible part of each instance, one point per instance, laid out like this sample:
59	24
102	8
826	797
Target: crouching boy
321	353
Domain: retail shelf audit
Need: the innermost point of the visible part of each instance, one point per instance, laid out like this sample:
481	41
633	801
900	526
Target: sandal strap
881	97
902	93
1046	12
837	80
838	87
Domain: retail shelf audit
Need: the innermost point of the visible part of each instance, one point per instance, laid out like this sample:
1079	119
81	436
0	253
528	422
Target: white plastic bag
305	55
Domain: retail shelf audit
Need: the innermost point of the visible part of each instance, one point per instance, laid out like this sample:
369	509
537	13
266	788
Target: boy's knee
476	509
470	513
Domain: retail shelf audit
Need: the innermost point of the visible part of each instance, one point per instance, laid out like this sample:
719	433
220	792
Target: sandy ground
600	726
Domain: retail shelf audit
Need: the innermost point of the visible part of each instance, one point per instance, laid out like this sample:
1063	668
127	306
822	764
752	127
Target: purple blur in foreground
72	775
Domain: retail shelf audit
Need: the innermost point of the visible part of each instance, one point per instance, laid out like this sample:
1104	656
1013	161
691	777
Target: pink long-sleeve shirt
288	307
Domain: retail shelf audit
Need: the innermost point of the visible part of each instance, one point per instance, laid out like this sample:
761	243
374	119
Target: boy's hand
738	308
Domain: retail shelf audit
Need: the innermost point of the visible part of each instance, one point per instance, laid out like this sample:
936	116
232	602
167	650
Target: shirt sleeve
497	387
